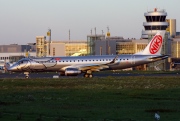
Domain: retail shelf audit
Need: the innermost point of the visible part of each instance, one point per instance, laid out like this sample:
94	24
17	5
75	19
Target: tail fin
155	45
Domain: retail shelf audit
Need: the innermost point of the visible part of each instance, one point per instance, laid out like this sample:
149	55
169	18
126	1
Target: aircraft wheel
86	75
90	75
62	74
27	77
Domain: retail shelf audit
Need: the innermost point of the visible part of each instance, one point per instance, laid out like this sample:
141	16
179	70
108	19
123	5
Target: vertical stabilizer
155	45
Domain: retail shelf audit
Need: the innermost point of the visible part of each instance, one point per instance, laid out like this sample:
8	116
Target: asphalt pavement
55	75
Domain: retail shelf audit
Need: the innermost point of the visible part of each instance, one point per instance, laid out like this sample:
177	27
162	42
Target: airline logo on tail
156	44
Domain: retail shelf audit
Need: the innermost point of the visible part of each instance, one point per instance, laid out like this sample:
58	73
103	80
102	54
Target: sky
22	20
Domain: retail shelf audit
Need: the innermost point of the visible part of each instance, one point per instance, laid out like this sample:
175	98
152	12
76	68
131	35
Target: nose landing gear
88	75
26	75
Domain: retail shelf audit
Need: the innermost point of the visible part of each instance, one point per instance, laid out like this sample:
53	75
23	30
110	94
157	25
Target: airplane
88	64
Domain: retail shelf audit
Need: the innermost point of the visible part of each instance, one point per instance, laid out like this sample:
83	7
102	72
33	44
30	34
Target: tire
62	74
27	77
86	75
90	75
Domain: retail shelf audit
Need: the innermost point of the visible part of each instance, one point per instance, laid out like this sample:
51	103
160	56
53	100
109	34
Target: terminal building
59	48
175	54
14	52
114	45
91	42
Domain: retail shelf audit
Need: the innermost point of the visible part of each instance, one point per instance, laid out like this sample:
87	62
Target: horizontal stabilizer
160	57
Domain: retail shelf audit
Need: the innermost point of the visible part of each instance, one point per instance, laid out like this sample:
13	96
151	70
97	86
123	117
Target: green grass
138	72
96	99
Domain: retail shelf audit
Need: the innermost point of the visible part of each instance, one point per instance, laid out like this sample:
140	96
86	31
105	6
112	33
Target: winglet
155	45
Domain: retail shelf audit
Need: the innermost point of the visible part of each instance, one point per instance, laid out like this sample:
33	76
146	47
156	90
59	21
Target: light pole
49	34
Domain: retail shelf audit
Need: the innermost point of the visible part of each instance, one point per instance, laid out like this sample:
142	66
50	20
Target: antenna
102	32
107	28
49	34
95	30
69	34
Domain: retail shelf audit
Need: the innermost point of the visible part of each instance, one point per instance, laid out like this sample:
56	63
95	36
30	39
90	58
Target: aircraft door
132	59
22	64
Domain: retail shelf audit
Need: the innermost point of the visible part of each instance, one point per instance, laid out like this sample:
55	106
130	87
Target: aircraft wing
92	67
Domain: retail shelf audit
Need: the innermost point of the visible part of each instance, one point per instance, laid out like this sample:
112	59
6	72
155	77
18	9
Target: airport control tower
155	20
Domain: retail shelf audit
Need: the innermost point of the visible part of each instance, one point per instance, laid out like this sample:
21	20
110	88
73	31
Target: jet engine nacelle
72	72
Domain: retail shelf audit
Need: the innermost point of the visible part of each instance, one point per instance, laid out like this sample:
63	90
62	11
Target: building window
53	51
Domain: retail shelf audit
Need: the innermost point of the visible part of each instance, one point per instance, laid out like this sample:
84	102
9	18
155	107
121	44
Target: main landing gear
88	74
26	75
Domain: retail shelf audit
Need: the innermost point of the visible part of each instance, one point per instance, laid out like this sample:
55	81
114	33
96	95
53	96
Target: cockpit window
22	61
